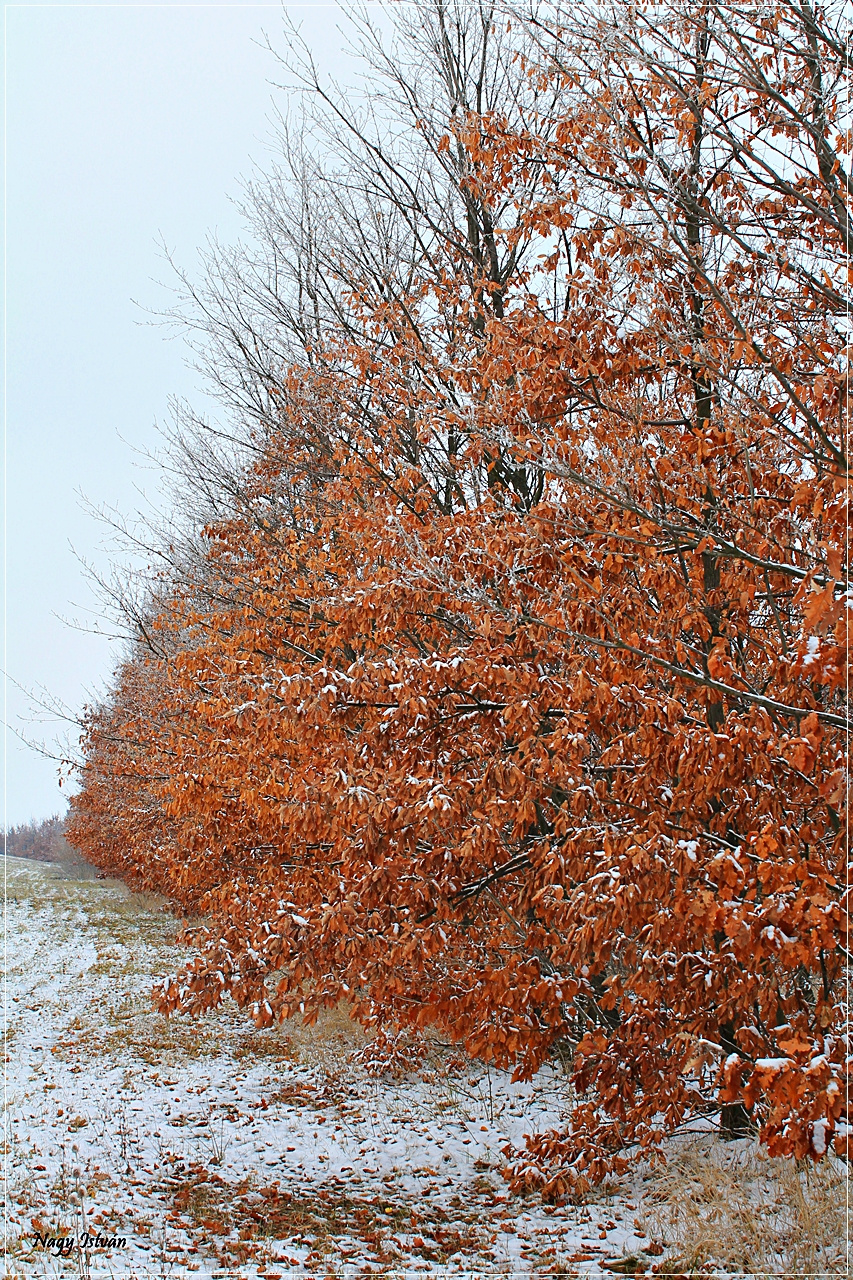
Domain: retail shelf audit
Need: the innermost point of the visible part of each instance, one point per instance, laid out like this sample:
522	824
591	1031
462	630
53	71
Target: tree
40	841
507	694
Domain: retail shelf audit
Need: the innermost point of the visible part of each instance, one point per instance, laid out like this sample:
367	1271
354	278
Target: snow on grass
206	1147
210	1146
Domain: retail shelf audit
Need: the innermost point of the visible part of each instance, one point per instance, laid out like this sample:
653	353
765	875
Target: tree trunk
735	1121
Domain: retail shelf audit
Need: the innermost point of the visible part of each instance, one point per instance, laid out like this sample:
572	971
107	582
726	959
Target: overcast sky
126	125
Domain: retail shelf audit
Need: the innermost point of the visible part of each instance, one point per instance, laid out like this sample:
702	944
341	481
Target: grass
730	1206
713	1207
134	937
327	1044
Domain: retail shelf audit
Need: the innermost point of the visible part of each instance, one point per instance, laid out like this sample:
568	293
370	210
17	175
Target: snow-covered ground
207	1147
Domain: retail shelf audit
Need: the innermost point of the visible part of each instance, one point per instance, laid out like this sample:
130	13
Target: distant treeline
42	842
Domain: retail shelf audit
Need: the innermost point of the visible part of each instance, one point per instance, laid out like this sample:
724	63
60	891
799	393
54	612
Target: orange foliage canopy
509	698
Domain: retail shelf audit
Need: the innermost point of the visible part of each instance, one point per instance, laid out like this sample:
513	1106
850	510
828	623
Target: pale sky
126	125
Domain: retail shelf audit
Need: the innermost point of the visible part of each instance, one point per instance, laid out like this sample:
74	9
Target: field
200	1148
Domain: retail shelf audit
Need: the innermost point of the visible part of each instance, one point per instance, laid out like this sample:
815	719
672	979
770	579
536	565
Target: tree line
41	842
489	673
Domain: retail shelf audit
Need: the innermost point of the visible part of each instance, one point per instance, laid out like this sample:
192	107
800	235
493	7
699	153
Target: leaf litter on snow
206	1147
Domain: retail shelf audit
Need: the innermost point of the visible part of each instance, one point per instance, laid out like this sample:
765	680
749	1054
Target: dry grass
326	1045
730	1206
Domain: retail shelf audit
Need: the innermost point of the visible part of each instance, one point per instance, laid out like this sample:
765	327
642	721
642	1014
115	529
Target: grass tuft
732	1207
